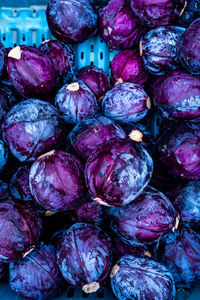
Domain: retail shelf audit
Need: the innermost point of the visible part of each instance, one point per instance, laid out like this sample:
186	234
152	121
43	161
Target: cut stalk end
73	87
15	53
114	271
91	288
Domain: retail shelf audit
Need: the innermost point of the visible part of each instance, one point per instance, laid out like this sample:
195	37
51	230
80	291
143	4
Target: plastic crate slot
101	55
3	37
70	292
34	37
84	295
43	38
92	63
82	55
34	13
92	47
15	13
14	37
100	293
23	37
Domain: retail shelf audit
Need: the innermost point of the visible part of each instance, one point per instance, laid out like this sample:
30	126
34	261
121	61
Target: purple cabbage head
72	21
19	184
76	101
145	220
3	156
96	79
117	25
62	58
141	278
126	103
179	150
187	203
92	132
189	48
159	49
127	65
31	72
89	211
180	253
3	59
56	181
118	171
155	13
85	256
31	128
37	276
20	229
177	95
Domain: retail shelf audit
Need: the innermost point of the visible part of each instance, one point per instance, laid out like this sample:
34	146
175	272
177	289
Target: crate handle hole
100	293
101	55
82	55
70	292
84	295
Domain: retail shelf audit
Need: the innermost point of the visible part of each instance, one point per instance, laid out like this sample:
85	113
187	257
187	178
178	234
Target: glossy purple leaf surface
56	181
85	256
141	278
118	171
145	220
31	128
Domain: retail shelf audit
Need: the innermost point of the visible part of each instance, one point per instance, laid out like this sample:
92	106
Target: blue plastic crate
24	22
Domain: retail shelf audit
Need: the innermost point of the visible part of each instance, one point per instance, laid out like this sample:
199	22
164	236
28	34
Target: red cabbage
72	21
189	48
31	128
117	25
62	58
20	230
179	150
37	276
156	13
126	103
75	102
177	95
159	47
56	181
118	171
84	256
141	278
146	219
180	253
31	72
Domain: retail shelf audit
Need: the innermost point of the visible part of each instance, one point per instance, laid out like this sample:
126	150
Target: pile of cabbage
100	173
